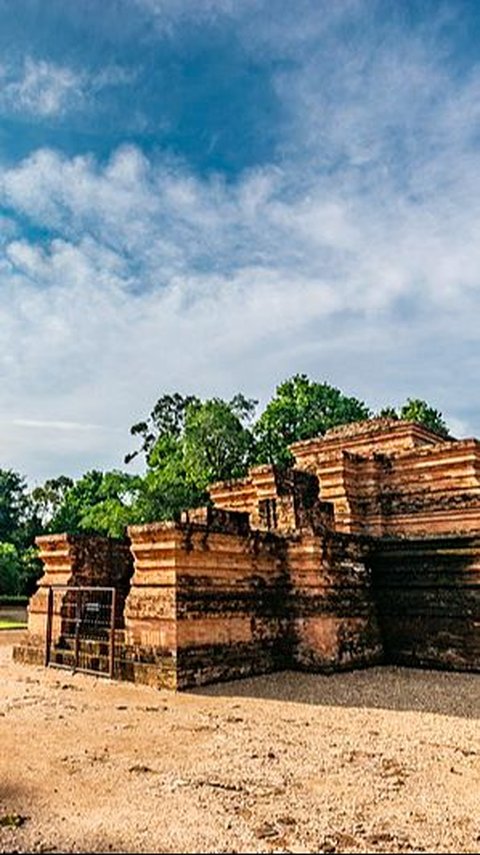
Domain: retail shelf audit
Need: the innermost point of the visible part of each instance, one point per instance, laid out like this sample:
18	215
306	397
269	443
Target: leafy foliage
99	501
19	523
19	569
166	487
217	441
300	409
10	568
15	509
388	413
167	419
416	410
49	498
186	444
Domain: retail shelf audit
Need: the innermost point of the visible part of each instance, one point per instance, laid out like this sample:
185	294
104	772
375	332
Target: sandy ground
382	760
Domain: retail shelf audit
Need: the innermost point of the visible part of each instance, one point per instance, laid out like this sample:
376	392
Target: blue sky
211	195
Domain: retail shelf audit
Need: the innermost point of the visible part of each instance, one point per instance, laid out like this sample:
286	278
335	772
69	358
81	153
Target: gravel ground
381	760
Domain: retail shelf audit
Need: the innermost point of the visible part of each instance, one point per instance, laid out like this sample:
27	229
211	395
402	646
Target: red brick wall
333	618
207	598
75	560
428	596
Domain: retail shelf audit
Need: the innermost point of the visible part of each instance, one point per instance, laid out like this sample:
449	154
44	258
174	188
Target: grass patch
12	820
5	623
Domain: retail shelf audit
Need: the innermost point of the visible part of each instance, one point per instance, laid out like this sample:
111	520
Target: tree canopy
217	442
416	410
186	443
302	408
19	523
98	501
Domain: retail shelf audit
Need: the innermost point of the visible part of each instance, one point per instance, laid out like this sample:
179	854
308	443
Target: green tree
167	419
166	488
31	569
15	509
416	410
113	507
218	443
48	498
81	495
98	502
20	569
300	409
10	569
388	413
188	443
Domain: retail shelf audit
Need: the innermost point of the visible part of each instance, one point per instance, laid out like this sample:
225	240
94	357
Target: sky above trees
209	196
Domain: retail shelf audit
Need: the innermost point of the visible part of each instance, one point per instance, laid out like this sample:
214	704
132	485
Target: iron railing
80	633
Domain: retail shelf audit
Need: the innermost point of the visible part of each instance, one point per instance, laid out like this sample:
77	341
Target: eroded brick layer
73	560
428	597
366	551
333	616
207	595
222	600
396	478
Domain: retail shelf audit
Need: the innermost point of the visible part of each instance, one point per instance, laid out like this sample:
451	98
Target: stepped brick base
367	552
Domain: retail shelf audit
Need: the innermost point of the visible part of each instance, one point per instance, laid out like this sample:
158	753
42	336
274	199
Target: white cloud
42	89
169	12
38	423
261	24
355	258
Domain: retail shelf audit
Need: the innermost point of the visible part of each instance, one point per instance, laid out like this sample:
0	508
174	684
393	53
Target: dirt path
383	760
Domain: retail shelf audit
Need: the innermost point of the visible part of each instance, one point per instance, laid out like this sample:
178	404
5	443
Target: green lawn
6	623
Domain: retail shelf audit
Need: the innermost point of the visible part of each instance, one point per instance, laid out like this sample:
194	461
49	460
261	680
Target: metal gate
81	629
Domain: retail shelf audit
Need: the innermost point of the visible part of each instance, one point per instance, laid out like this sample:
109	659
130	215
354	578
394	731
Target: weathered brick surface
333	618
73	560
208	592
275	500
395	478
428	596
226	600
368	551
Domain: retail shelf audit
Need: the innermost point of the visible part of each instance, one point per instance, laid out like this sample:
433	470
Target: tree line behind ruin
185	443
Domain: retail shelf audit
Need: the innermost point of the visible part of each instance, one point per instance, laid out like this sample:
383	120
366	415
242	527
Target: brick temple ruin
366	551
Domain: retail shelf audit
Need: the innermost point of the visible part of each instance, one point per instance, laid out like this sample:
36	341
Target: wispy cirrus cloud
68	426
43	89
39	88
169	12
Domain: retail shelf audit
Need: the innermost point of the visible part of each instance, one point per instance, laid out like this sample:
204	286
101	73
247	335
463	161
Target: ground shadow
386	687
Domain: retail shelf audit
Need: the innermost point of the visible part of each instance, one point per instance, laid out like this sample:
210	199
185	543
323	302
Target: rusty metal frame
52	590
